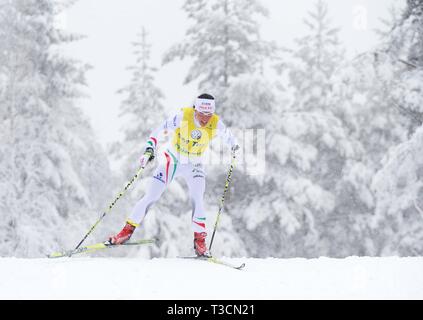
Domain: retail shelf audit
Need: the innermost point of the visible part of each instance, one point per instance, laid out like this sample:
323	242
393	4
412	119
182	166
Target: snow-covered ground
134	278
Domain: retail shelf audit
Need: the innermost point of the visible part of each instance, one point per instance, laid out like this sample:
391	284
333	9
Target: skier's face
203	118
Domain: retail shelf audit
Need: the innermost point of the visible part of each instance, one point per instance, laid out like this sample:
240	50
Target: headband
204	105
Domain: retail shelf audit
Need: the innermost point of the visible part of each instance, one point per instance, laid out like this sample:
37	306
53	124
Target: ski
214	260
96	247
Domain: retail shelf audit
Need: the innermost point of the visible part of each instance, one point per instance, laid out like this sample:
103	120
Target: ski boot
200	246
124	235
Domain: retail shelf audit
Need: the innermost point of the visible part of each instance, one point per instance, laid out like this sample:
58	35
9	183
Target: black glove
235	148
150	150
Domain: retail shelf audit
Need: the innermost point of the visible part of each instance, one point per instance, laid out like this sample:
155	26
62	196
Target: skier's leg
196	180
162	176
153	193
155	189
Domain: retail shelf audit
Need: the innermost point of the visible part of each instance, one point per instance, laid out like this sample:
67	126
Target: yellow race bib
190	140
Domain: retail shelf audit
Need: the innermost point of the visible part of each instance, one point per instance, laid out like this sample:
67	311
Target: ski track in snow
135	278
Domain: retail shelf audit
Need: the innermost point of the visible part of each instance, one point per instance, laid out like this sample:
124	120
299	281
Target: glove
235	148
147	156
149	151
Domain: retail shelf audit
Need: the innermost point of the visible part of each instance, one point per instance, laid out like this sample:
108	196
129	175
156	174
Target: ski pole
222	200
140	170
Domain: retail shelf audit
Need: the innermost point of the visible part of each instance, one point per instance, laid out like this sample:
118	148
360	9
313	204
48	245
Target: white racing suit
171	165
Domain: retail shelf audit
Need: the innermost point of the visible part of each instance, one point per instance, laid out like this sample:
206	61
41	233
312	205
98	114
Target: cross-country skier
193	129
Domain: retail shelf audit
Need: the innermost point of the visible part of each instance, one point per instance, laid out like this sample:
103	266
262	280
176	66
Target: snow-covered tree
398	190
403	47
362	95
251	184
379	102
397	187
223	42
312	149
51	166
413	20
141	109
316	59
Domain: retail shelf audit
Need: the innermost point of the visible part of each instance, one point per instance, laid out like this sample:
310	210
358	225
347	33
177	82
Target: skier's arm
168	125
227	136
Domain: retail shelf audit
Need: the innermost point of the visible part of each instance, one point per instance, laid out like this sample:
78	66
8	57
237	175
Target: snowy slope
135	278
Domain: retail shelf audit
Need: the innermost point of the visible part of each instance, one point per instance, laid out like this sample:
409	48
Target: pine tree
398	190
282	212
52	164
403	49
313	148
413	15
396	185
379	98
253	194
224	42
142	106
315	61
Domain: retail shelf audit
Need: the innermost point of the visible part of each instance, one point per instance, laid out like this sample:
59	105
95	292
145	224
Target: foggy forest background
343	137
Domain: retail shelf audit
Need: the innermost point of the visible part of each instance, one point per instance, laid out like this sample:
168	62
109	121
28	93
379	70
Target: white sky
111	26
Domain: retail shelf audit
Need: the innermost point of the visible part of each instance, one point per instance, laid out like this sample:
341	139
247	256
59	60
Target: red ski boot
124	235
200	246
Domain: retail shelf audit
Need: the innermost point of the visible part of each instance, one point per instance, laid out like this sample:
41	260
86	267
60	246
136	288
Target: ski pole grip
149	152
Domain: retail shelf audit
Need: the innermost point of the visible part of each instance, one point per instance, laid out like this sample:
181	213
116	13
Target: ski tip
241	266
